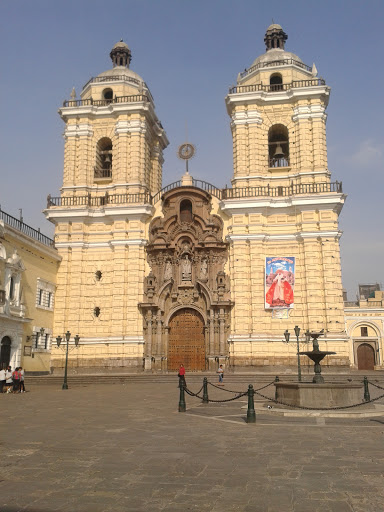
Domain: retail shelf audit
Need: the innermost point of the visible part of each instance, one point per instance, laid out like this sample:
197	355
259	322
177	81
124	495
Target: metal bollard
205	391
276	380
367	397
251	415
182	406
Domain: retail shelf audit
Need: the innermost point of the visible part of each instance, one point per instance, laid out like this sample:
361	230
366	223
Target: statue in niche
204	269
186	268
168	271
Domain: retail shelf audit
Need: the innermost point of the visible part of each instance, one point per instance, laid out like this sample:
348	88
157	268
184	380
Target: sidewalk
124	447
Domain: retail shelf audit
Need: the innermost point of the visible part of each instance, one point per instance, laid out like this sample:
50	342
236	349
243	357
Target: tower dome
121	57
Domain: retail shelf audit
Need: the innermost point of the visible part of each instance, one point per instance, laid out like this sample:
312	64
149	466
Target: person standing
22	387
181	375
8	381
220	371
2	380
16	380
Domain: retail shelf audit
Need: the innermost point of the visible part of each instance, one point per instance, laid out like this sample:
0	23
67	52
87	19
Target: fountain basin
328	394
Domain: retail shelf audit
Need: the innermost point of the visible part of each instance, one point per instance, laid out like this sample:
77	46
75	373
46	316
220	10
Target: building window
41	339
98	275
186	211
364	331
96	311
45	294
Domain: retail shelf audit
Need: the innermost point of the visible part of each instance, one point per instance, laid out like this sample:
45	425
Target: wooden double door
186	342
365	357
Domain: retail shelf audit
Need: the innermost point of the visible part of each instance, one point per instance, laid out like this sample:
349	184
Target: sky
189	53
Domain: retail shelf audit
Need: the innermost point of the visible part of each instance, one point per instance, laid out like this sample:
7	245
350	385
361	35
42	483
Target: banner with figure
279	282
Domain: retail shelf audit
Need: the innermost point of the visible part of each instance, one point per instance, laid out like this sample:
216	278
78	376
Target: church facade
152	277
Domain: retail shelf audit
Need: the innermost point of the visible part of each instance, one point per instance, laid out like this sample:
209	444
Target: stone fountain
316	355
318	393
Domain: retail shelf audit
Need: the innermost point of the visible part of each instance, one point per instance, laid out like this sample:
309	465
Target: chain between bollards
182	406
251	414
367	396
276	380
205	391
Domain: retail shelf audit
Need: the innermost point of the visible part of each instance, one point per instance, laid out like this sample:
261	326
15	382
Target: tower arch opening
278	146
186	211
103	168
276	82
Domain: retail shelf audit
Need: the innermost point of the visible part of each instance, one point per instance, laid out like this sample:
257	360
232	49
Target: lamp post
58	341
307	338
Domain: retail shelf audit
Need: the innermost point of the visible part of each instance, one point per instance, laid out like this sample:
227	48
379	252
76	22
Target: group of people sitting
12	381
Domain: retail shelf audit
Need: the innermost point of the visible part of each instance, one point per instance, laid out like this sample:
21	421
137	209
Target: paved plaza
124	447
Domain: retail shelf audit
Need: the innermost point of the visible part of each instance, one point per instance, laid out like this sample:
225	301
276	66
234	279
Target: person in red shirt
181	375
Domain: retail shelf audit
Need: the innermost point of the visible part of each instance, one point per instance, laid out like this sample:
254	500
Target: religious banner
279	282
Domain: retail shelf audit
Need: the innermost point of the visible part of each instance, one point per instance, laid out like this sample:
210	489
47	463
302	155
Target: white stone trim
314	111
133	126
78	130
246	117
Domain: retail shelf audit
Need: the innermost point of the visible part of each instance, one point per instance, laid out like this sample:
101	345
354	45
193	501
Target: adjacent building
28	269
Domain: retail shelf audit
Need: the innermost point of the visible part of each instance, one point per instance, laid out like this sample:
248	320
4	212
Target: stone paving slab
126	448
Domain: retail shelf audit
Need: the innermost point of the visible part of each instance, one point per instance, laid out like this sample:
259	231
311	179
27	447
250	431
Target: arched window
276	82
103	167
185	211
108	95
278	146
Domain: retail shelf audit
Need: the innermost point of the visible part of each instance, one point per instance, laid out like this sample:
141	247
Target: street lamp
58	341
307	338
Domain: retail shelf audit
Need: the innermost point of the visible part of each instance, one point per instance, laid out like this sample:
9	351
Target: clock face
186	151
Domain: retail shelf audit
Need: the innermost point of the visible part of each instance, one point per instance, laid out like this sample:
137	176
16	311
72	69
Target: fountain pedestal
329	394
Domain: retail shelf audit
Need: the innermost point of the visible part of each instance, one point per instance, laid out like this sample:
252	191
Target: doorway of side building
365	357
5	352
186	343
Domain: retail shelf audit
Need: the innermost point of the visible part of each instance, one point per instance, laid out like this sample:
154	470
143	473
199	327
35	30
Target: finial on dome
275	37
121	54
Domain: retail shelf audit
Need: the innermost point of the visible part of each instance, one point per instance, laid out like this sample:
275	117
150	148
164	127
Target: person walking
220	371
22	387
2	380
181	376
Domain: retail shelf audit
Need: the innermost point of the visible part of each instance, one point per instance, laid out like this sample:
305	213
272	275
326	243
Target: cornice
291	237
263	97
141	242
116	212
270	176
333	201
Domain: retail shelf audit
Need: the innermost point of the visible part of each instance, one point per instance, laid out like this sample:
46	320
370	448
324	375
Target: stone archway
186	343
365	357
5	352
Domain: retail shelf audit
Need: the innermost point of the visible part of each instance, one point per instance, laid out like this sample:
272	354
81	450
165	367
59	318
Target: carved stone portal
186	294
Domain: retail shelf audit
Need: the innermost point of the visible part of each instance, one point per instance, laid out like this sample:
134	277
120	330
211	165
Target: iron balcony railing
275	63
25	229
278	162
103	173
222	194
296	84
104	103
113	78
98	201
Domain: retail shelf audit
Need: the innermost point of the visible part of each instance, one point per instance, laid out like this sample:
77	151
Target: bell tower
283	207
113	160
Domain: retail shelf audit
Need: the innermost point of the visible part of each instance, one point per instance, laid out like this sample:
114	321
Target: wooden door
186	343
5	352
365	357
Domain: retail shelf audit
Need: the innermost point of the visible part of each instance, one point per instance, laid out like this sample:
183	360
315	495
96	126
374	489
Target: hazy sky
189	53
